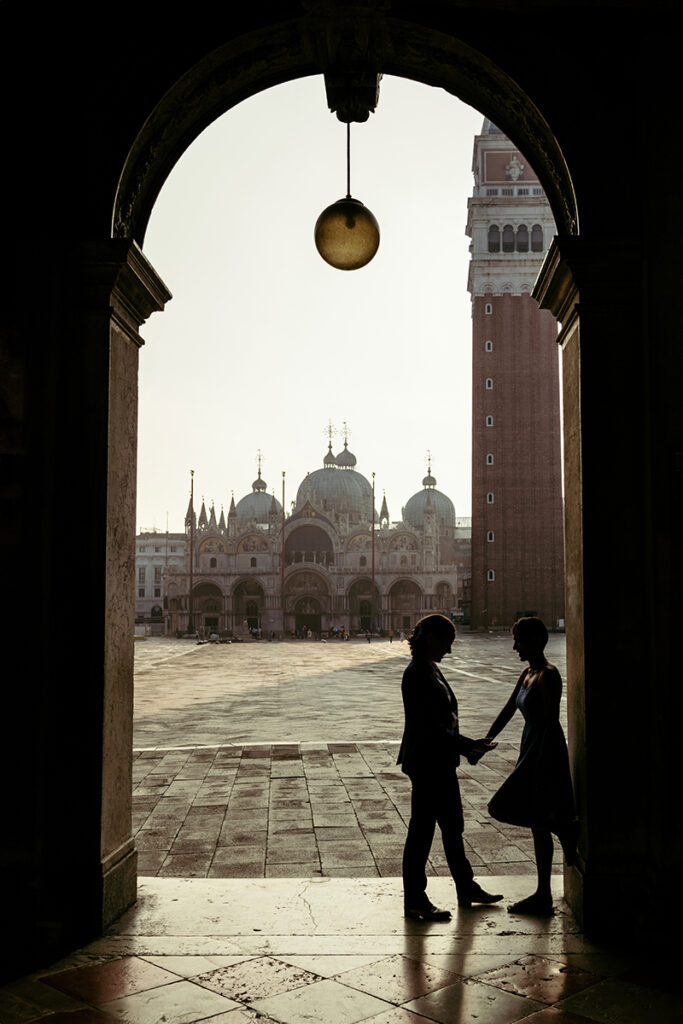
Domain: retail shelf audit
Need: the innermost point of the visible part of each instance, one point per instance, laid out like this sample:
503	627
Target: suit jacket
432	741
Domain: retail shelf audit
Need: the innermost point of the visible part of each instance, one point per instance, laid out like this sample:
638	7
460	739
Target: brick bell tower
517	514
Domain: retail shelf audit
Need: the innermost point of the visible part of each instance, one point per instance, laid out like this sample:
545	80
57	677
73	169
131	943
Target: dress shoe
478	895
425	911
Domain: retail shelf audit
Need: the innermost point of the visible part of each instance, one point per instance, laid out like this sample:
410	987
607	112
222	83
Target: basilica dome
259	504
444	509
337	487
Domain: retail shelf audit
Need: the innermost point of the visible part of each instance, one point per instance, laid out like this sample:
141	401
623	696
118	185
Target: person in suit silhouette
429	755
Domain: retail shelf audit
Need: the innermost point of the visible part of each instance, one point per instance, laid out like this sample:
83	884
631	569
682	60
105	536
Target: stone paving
339	951
278	759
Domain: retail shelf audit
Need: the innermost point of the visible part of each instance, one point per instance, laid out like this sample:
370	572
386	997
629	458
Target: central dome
337	488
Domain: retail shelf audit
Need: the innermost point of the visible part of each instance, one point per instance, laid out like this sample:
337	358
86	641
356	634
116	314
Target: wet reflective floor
338	951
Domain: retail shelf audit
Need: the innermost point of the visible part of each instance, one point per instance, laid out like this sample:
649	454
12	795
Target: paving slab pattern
279	759
339	951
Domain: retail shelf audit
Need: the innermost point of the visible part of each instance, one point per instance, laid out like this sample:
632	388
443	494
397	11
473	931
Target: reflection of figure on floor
538	794
429	754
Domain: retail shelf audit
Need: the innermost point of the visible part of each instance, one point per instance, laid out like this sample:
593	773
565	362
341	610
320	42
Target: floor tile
467	965
539	978
255	979
345	852
307	869
554	1016
614	1001
326	1001
329	965
190	966
473	1002
84	1016
398	1015
100	983
17	1010
180	1003
185	865
397	979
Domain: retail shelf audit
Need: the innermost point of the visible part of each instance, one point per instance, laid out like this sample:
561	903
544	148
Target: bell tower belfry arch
69	865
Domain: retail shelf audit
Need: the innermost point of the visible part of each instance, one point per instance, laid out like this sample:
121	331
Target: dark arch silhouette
279	53
95	131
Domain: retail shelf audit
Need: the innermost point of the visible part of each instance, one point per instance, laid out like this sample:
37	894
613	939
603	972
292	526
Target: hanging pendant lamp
346	233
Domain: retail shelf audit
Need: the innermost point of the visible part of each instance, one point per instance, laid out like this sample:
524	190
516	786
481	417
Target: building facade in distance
155	554
517	513
324	567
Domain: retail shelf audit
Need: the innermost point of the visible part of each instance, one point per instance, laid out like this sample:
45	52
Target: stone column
621	767
68	862
121	291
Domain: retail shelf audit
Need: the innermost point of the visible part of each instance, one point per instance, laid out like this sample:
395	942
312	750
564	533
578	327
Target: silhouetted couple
537	794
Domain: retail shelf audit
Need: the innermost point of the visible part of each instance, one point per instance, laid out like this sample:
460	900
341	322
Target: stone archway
405	604
207	607
364	605
309	543
312	44
247	605
231	73
308	616
307	602
75	362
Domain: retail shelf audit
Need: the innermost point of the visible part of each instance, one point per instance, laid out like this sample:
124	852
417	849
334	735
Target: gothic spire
203	519
384	511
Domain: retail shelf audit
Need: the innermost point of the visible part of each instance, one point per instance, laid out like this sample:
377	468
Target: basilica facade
333	564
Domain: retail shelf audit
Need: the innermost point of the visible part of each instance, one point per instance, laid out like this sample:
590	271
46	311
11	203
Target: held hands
480	748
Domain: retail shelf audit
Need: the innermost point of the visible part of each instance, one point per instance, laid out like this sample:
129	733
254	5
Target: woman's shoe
425	911
536	906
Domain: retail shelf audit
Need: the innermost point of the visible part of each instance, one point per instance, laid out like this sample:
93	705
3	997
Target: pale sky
263	343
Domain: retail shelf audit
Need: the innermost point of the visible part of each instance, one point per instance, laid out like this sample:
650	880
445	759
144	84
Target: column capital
119	277
604	272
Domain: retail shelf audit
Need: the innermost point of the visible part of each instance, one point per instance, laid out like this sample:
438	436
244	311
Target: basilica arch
364	605
405	604
444	598
207	607
74	362
308	603
309	542
248	599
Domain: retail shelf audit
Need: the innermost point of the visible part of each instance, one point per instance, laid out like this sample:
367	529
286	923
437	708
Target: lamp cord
348	159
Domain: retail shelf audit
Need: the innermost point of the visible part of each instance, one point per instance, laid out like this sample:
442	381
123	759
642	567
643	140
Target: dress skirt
538	793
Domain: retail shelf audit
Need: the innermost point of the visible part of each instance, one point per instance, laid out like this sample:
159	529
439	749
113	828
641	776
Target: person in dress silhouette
429	754
538	793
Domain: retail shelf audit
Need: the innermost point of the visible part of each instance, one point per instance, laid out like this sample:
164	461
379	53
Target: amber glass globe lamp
347	233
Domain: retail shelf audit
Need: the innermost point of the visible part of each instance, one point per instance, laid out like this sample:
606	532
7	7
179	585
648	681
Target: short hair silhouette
532	630
429	625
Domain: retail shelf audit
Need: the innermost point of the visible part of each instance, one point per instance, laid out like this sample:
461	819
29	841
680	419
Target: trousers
435	800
